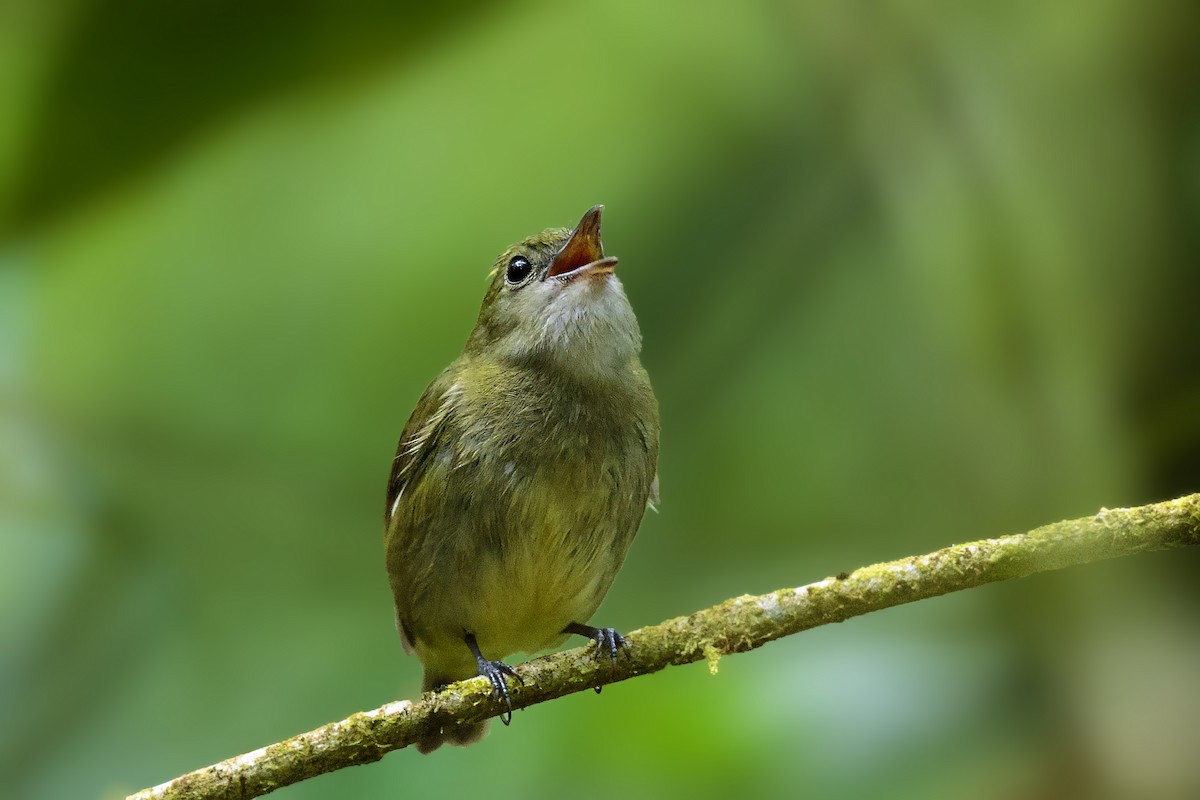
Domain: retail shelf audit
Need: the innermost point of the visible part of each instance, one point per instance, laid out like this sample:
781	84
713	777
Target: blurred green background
908	274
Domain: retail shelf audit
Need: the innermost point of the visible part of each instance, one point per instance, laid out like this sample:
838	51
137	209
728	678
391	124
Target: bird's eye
518	269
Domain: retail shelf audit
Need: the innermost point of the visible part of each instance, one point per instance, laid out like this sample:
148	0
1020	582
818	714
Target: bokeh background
908	274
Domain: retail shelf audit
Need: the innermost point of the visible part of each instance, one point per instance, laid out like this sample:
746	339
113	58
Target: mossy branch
734	626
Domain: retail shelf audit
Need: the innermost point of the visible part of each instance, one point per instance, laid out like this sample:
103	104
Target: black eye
518	269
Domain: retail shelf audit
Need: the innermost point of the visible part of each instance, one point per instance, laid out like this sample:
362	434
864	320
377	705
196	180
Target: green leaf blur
908	274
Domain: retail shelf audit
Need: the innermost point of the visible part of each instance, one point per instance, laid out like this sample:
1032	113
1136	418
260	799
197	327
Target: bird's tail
459	734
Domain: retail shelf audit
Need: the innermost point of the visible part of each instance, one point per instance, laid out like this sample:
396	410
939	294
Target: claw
495	671
607	641
608	638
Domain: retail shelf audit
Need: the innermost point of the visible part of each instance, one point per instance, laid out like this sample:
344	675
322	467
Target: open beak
583	254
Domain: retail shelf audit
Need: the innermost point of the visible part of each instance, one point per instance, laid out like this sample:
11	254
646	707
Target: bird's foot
607	640
495	671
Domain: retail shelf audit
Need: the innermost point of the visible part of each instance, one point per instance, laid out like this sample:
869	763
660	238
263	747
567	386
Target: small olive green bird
524	471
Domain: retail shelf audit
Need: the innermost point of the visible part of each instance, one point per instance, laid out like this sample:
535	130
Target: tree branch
734	626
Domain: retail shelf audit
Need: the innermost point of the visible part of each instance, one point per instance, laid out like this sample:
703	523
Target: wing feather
417	439
417	443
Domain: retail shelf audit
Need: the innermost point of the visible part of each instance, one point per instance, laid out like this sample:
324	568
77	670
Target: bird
524	471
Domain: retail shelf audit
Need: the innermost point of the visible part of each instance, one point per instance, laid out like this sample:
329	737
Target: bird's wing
418	442
419	438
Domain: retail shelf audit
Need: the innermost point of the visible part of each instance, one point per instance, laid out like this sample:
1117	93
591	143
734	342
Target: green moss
739	624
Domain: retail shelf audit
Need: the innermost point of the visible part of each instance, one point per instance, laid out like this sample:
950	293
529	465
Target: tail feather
461	734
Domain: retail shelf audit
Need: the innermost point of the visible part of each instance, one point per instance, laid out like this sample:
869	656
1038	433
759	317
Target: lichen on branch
735	626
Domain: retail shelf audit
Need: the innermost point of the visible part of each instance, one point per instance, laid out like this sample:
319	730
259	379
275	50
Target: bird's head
555	298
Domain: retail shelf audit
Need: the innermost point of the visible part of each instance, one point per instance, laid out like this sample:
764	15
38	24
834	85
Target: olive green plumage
523	473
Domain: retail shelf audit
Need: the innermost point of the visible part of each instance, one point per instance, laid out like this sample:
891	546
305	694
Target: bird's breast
528	507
